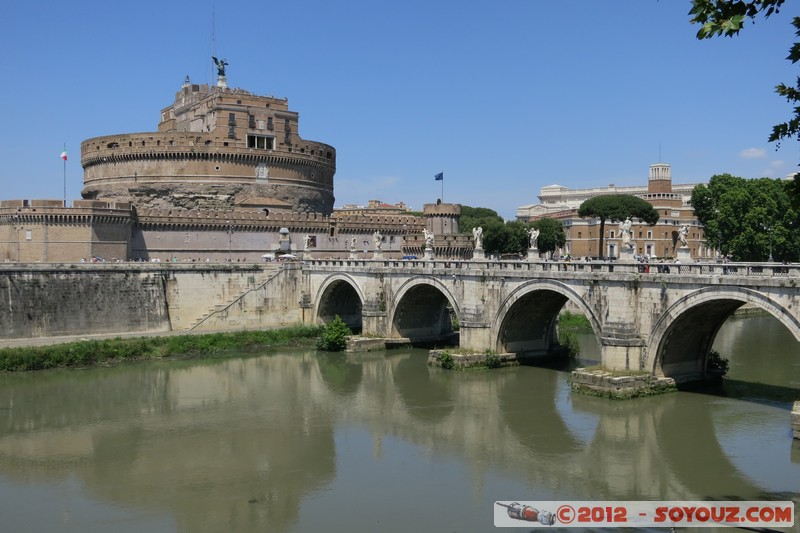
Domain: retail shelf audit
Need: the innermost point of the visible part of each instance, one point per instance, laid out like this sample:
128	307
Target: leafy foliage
726	17
446	360
334	336
617	207
551	234
717	363
748	219
499	237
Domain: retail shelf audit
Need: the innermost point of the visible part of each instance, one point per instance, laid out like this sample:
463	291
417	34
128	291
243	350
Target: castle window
251	122
649	234
270	126
260	142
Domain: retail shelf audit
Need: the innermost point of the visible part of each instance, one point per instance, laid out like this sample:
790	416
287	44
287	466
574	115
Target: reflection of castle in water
261	430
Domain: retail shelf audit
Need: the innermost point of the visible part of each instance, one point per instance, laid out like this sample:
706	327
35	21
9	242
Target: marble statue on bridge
378	239
625	232
533	234
477	234
428	239
682	233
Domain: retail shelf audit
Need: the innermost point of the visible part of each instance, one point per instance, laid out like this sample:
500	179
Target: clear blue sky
504	97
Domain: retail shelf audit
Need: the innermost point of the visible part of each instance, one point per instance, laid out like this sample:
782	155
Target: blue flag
439	176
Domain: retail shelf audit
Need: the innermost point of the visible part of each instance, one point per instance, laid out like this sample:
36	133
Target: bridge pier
373	320
621	356
475	336
620	347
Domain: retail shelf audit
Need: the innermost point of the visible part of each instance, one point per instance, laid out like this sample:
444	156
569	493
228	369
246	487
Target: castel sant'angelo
226	177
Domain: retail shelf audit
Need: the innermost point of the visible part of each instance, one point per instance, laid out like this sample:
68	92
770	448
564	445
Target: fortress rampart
214	148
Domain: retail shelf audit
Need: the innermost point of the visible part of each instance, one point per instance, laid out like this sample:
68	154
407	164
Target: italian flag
64	154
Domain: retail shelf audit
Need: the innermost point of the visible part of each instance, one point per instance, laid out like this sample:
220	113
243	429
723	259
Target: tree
616	207
726	17
748	220
334	336
499	237
472	217
551	234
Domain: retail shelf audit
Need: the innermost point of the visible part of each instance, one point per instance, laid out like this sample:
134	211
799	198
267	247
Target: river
307	442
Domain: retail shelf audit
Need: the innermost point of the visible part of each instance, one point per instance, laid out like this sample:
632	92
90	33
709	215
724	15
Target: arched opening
683	349
529	326
547	318
341	298
424	315
684	336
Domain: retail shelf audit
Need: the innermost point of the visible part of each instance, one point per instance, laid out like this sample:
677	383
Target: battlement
259	218
183	145
442	210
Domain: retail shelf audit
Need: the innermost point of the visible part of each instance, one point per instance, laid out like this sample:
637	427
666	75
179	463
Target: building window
649	234
611	234
260	141
28	235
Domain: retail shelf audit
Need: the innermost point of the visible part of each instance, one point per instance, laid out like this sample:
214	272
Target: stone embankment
68	300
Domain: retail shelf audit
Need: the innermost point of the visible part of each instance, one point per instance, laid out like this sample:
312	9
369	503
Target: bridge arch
683	335
526	319
422	310
339	294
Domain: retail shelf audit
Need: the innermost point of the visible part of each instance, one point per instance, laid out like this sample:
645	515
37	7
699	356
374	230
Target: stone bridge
662	322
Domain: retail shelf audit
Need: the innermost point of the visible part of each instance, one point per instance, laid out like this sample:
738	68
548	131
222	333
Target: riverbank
89	352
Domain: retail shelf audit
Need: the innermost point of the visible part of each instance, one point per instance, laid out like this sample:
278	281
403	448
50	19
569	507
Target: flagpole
65	175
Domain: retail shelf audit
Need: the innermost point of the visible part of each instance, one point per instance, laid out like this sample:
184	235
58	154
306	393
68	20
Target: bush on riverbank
92	352
334	336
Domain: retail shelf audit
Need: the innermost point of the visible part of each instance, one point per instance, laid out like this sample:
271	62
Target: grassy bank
94	352
569	326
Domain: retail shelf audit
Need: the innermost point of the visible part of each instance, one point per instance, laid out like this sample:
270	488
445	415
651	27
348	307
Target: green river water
308	442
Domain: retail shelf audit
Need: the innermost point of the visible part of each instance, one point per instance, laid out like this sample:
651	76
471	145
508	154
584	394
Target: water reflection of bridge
261	431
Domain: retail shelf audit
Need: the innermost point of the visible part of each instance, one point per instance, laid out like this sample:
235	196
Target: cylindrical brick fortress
214	148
